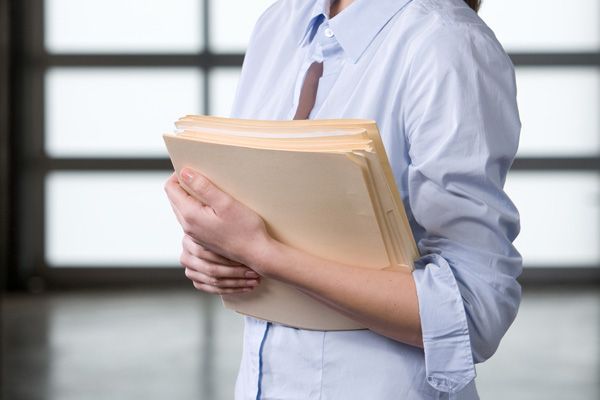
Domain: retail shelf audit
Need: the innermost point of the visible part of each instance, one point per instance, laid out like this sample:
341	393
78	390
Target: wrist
262	255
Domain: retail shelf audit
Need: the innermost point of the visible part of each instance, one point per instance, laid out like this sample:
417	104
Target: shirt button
328	32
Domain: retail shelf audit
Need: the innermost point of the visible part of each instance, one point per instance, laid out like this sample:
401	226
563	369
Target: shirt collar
356	26
320	8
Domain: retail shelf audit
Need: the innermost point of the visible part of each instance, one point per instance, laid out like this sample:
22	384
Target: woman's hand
216	221
226	234
213	273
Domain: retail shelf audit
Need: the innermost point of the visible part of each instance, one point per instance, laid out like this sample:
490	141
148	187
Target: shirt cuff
449	365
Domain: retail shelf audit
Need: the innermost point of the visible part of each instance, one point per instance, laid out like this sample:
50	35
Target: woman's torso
366	80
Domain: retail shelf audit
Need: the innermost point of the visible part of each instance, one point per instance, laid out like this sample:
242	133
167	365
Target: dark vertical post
207	51
208	328
5	167
27	132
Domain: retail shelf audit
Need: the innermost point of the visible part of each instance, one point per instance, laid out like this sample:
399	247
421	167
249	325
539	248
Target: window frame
29	165
5	153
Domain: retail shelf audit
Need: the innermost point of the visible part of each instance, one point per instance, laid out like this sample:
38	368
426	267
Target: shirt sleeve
462	129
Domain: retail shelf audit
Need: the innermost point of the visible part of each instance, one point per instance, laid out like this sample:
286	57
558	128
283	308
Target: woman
442	91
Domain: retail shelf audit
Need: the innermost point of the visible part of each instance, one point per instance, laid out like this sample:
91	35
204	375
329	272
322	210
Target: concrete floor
180	344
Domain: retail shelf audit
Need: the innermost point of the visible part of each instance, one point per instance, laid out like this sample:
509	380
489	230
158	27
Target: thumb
204	190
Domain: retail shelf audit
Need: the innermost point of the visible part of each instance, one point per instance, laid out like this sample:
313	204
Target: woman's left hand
216	220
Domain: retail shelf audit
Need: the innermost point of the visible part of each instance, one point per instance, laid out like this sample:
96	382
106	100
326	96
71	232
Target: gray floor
179	344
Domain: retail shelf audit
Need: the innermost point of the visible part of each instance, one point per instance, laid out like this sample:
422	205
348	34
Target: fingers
182	201
205	191
216	270
177	213
215	290
216	278
220	283
197	250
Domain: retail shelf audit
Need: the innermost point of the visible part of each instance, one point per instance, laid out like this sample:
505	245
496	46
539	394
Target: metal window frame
4	141
29	166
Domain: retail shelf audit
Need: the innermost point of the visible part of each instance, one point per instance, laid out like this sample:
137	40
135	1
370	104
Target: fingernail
251	274
188	175
247	289
252	282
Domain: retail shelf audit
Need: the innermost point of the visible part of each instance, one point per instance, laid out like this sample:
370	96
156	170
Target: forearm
385	301
382	300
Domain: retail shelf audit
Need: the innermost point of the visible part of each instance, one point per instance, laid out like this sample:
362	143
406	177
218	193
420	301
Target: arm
462	127
383	300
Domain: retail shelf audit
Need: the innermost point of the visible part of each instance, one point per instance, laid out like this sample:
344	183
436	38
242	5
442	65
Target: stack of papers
322	186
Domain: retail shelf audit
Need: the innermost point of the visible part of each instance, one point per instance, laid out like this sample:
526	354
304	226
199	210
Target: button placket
324	42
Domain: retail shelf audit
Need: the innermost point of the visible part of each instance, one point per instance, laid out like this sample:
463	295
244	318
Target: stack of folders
321	186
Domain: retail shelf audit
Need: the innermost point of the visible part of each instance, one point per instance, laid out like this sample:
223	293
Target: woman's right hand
213	273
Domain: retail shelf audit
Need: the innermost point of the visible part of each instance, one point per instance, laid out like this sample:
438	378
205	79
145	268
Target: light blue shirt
442	91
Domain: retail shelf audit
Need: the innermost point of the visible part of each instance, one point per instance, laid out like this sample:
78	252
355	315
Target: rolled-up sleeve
462	128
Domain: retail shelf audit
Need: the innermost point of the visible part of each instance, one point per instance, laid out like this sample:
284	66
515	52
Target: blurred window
544	25
131	224
231	23
223	83
123	26
99	106
114	75
559	111
559	217
116	112
555	180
